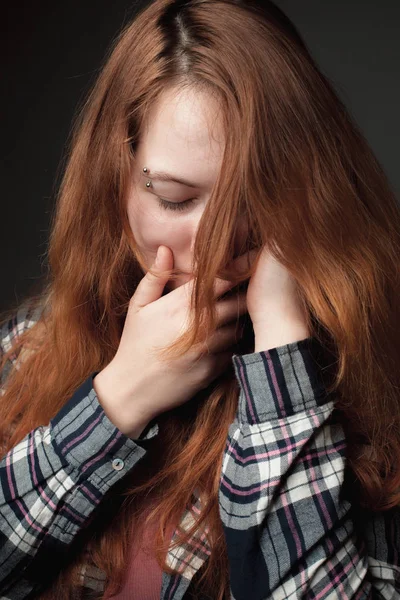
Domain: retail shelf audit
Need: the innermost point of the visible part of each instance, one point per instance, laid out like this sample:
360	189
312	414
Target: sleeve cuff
282	381
86	438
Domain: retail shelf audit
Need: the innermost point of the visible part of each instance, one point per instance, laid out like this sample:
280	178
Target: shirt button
118	464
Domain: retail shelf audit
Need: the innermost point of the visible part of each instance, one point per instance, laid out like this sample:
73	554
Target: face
183	138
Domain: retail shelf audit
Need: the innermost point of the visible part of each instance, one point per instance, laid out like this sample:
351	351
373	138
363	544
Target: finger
216	364
231	308
240	265
221	339
152	285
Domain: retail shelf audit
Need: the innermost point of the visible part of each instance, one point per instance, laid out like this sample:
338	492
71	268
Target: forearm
52	482
281	482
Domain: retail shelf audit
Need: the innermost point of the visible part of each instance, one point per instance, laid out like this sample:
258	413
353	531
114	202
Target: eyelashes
175	206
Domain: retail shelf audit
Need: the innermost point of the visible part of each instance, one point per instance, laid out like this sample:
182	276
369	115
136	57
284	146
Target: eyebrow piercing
145	170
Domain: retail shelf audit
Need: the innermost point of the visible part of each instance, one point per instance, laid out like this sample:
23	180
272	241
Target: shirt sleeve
52	481
290	531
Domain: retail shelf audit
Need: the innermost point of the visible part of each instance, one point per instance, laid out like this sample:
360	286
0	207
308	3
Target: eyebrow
164	176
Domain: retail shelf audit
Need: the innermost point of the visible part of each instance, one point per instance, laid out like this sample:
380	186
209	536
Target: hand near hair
274	306
136	386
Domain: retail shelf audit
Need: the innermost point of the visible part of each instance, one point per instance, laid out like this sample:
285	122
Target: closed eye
175	205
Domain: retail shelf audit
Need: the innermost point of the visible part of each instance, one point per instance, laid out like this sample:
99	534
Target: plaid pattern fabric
291	531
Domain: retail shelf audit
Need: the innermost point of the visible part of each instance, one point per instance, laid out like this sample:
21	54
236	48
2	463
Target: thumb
152	285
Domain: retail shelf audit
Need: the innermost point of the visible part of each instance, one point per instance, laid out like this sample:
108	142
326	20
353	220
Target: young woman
223	422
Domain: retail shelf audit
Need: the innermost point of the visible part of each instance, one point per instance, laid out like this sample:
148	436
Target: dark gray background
52	52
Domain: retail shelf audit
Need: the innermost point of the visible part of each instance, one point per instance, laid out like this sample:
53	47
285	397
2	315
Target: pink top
144	577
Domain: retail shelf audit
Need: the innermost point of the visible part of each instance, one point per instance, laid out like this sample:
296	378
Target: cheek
151	226
142	222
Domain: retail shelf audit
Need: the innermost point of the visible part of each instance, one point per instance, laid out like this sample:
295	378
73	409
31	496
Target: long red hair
303	176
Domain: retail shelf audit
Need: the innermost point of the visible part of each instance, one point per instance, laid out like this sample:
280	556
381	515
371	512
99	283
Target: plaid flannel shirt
291	532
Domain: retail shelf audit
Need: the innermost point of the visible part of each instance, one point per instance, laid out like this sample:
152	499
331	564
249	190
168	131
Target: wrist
273	335
119	410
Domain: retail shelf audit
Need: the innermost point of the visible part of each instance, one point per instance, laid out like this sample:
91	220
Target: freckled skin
184	136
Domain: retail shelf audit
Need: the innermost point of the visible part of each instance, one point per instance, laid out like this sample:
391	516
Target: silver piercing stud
145	169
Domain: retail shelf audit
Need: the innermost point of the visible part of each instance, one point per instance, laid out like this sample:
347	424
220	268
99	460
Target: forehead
184	134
